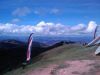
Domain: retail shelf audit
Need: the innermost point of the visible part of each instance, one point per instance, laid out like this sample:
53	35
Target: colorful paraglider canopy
30	39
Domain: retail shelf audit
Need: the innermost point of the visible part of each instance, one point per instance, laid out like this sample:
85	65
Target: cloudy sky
59	17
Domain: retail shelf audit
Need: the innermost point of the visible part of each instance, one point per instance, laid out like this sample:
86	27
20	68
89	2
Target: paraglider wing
96	38
95	32
29	47
92	43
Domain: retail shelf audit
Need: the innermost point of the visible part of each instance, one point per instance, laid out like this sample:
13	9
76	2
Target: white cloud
91	26
43	28
55	11
36	12
16	20
51	28
13	29
43	11
21	11
78	27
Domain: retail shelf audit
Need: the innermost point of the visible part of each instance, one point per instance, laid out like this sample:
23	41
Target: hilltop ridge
56	59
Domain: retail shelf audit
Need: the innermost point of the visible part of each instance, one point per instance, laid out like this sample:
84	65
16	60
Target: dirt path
76	67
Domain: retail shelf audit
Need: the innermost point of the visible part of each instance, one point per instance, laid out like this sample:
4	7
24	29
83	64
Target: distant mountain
11	43
49	40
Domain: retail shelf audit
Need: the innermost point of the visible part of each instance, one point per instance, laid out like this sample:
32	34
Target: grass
57	55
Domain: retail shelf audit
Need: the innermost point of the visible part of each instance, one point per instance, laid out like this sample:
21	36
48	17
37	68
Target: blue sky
67	12
49	17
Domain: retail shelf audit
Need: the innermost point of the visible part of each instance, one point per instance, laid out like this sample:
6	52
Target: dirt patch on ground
75	67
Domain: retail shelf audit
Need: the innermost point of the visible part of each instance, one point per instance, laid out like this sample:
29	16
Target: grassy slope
58	55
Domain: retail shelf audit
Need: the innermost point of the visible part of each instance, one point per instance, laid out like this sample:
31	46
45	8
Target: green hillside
58	55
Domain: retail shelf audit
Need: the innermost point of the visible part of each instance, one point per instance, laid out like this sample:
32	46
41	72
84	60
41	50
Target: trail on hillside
76	67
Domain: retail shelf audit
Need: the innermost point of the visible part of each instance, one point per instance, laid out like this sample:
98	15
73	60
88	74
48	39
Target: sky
49	16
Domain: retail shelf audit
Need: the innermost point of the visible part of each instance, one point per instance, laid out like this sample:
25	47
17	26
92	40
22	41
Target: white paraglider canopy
96	40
